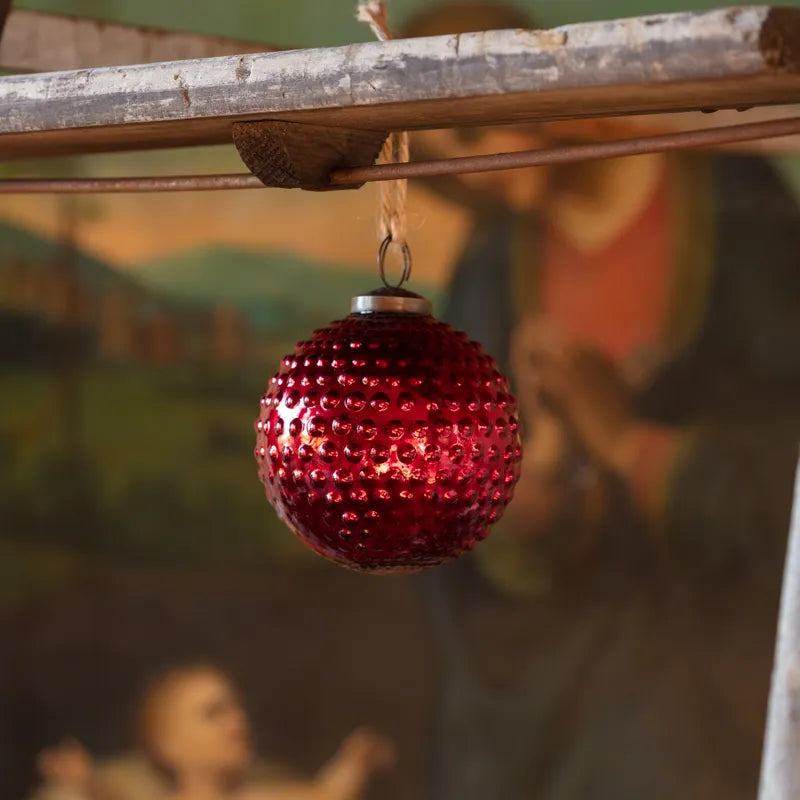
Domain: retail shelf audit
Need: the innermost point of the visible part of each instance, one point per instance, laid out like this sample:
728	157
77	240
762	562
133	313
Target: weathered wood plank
35	41
718	59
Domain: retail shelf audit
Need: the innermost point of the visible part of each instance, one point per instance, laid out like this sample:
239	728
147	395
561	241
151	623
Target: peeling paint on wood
670	62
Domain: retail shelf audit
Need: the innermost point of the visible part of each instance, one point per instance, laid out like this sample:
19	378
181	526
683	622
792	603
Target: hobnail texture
388	442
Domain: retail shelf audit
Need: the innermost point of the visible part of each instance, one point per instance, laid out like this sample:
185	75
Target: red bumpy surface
388	443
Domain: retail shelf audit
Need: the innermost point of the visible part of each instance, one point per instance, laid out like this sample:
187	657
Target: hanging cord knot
392	222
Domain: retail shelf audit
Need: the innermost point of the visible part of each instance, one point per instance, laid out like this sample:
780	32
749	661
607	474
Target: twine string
392	221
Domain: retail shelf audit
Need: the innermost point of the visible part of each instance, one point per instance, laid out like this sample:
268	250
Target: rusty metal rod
570	154
707	137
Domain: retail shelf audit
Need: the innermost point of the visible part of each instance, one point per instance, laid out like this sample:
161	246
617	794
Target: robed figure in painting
613	637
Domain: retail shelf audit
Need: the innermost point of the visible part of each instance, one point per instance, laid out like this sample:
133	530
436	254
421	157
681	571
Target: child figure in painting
196	746
612	638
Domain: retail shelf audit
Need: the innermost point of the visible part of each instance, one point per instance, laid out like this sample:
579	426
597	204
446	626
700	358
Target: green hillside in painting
17	243
146	453
138	443
20	247
279	294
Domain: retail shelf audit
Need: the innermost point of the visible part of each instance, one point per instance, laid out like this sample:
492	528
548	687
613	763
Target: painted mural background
136	336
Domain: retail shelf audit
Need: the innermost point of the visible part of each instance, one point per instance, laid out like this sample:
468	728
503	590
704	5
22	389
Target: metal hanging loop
382	251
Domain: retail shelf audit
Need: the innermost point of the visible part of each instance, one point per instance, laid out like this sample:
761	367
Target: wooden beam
732	58
35	41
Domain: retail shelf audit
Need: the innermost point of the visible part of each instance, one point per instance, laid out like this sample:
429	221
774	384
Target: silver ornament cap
391	300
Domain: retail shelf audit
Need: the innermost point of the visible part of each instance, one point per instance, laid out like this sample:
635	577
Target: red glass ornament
388	442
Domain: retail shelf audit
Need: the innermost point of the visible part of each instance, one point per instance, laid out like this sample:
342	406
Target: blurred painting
133	359
165	636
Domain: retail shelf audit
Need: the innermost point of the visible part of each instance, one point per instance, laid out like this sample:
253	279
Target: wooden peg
293	155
